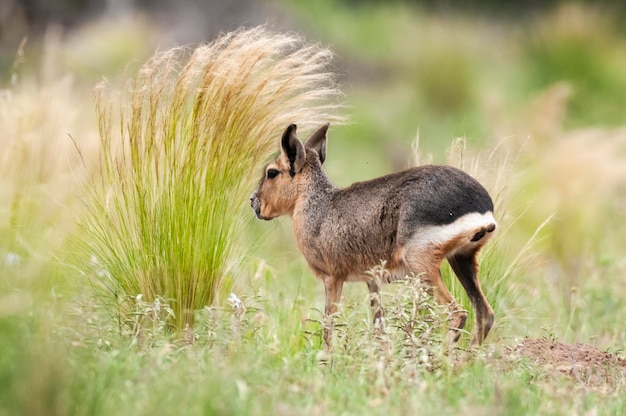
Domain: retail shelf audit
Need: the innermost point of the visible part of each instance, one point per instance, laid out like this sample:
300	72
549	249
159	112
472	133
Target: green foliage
30	356
577	45
241	359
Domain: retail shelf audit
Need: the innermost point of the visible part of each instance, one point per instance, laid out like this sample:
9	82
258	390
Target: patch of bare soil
583	362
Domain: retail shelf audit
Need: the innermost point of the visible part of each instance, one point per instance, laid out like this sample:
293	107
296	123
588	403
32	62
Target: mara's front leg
377	310
333	287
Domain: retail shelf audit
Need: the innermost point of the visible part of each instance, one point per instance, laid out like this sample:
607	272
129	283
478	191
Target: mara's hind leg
426	264
465	267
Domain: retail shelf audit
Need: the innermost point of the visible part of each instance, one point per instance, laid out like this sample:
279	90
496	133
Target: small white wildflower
138	297
234	301
12	259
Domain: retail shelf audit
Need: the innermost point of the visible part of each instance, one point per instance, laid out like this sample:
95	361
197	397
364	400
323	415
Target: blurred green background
437	68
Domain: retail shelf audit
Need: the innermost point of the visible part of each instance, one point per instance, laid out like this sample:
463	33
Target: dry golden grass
41	168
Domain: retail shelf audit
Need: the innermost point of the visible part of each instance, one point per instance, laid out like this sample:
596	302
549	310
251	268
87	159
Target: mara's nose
253	197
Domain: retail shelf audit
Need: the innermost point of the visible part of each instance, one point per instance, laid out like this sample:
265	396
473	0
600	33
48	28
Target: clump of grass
416	324
180	148
410	346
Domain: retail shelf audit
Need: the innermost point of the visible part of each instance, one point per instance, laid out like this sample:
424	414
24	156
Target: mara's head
285	177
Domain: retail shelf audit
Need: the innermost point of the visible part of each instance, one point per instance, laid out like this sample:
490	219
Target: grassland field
533	108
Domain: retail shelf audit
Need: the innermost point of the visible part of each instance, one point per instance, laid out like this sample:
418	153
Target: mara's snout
255	203
410	220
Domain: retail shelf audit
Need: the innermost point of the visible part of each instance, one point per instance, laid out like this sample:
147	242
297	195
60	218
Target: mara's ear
317	142
293	149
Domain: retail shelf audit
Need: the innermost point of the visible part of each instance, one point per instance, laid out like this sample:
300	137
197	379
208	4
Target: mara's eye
272	173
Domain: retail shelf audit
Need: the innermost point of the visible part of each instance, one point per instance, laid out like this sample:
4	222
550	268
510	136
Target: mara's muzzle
255	203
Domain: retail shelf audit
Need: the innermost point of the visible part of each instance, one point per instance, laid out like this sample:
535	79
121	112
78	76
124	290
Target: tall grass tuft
181	145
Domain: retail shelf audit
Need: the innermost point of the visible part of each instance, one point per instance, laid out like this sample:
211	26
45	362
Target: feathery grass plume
38	164
192	129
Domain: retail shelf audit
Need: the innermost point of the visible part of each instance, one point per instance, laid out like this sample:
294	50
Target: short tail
483	231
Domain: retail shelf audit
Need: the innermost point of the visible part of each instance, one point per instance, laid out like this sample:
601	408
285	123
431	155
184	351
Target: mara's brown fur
411	221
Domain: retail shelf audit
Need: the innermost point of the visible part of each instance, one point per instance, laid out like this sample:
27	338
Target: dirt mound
583	362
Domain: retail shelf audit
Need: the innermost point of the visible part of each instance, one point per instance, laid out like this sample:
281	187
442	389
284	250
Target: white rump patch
465	228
